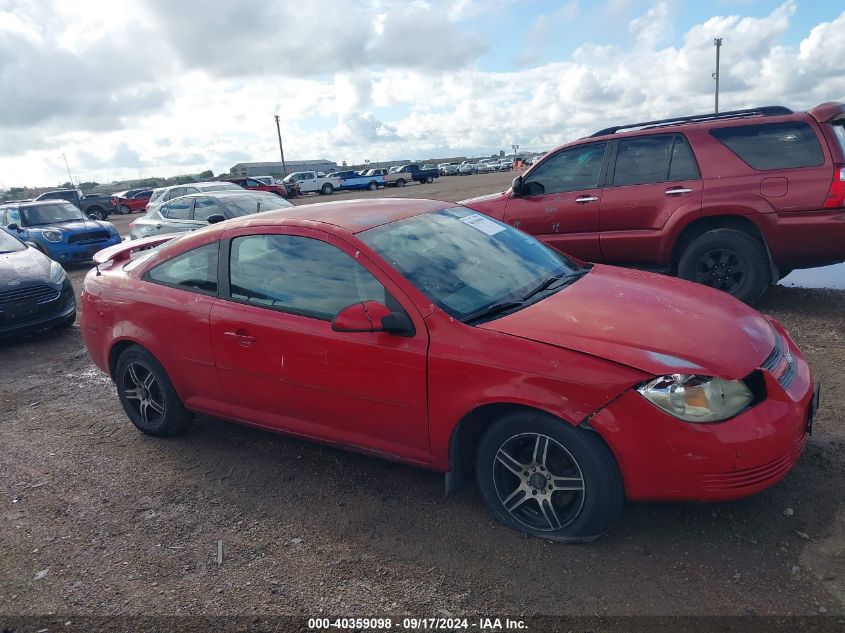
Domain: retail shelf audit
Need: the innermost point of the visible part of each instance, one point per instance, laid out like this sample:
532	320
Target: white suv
163	194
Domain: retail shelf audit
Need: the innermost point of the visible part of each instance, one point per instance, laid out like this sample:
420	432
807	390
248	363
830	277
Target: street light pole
717	42
281	149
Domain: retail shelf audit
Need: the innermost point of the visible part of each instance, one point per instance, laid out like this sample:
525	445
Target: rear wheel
541	476
728	260
373	185
123	209
400	183
327	189
148	396
429	180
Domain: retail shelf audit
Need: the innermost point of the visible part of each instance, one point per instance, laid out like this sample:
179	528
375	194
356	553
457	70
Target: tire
400	183
327	189
728	260
123	210
373	185
96	213
592	493
141	379
429	180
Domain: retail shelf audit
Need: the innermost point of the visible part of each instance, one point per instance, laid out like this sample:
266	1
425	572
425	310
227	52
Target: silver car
197	210
163	194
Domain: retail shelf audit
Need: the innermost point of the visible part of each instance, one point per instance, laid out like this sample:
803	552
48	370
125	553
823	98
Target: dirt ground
97	519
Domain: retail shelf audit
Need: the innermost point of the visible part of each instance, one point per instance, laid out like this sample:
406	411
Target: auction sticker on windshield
485	225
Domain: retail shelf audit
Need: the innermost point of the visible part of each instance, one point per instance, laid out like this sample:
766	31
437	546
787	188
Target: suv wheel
728	260
96	214
541	476
148	396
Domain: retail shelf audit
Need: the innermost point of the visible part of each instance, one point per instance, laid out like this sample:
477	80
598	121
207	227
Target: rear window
773	145
839	130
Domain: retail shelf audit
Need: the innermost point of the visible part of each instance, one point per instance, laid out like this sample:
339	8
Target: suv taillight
836	195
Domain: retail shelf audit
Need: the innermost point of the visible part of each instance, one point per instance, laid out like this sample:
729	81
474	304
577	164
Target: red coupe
428	333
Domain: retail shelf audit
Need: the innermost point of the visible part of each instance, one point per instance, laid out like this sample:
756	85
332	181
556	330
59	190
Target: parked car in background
449	169
58	229
734	201
376	171
486	165
130	192
467	168
312	182
133	201
504	164
35	292
268	180
565	387
401	175
354	180
196	210
253	184
163	194
96	206
429	166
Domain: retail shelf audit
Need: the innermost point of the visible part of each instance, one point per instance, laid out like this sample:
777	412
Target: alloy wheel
538	482
720	268
143	393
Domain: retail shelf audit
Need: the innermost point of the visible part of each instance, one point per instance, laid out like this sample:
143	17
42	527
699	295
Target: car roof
34	203
228	193
351	215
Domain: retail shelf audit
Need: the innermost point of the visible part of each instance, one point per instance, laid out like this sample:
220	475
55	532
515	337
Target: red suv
734	201
256	185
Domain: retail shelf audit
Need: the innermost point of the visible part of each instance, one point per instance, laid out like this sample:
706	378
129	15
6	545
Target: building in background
274	168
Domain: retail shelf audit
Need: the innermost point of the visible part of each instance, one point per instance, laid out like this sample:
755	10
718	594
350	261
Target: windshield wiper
492	310
567	278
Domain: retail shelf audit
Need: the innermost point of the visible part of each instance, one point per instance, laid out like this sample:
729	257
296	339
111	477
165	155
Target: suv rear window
773	145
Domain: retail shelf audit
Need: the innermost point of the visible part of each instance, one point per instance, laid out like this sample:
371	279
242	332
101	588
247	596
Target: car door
283	366
175	217
560	200
650	179
308	181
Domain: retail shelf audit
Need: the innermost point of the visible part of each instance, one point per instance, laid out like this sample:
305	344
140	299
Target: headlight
698	398
52	236
57	273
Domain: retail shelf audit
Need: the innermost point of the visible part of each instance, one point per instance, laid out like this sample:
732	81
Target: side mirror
14	227
372	316
516	185
32	245
214	218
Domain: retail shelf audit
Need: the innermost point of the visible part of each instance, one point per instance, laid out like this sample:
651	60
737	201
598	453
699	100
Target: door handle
243	339
677	190
586	199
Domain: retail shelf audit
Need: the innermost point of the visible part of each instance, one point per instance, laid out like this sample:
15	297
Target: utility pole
281	150
68	170
717	42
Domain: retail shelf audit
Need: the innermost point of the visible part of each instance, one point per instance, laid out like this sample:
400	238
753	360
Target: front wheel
148	396
96	214
372	186
728	260
541	476
327	189
400	183
429	180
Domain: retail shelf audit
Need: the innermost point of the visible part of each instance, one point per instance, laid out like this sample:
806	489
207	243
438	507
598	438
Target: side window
178	209
175	193
773	145
191	190
13	216
253	183
683	165
300	275
569	170
643	159
194	270
204	207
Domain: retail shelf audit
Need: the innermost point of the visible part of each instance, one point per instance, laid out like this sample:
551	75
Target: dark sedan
35	292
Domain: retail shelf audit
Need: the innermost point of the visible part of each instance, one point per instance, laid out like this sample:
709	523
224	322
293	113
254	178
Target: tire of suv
541	476
327	189
728	260
96	213
148	396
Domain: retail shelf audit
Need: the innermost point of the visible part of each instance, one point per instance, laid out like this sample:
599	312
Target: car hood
77	226
658	324
23	266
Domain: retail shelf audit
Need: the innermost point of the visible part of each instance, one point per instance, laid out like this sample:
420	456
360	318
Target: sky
139	88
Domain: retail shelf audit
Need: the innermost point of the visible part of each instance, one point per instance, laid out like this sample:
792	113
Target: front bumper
42	316
73	253
663	458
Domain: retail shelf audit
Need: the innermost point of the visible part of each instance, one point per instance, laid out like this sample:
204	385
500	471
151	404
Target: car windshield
244	205
470	264
50	214
9	244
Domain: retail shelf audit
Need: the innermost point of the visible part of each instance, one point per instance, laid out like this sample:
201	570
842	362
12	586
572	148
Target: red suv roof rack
732	114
